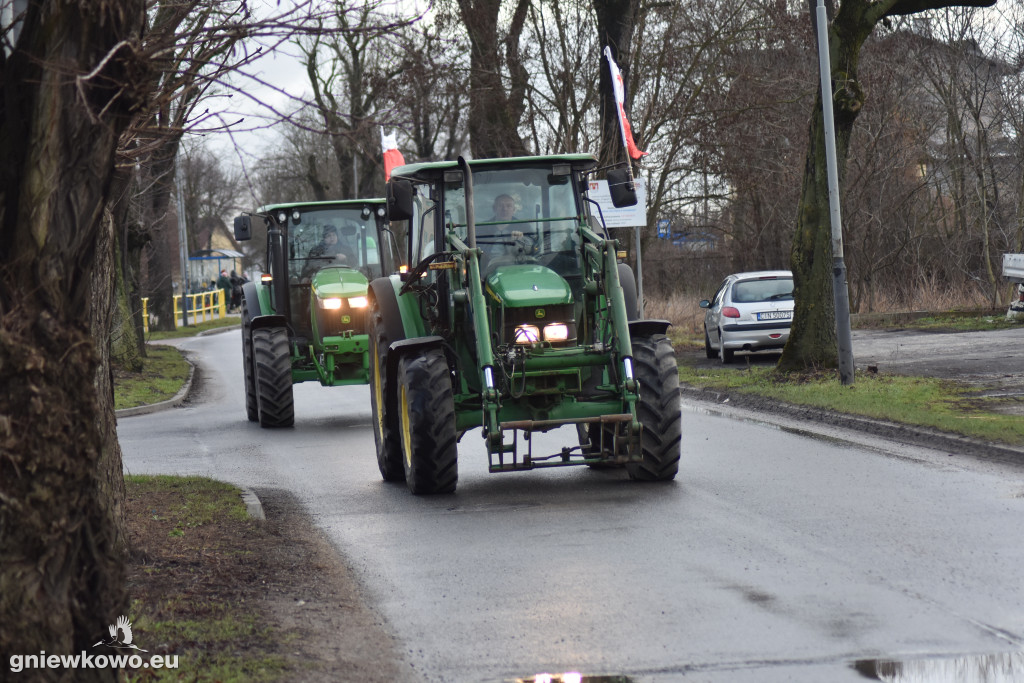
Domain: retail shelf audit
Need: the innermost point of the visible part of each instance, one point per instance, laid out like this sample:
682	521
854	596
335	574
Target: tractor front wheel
252	410
657	409
426	411
385	422
273	377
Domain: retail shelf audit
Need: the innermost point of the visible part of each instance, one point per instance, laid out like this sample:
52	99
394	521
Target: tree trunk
161	253
494	112
70	79
812	338
615	22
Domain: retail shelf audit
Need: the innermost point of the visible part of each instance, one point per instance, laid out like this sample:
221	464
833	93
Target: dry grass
687	318
680	309
930	295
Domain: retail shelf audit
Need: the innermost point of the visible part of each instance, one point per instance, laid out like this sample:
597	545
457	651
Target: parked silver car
749	312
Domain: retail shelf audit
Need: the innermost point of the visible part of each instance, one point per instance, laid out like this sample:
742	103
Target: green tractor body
517	323
305	320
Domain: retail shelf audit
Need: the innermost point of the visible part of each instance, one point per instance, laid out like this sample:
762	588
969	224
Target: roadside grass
190	540
192	330
929	402
164	371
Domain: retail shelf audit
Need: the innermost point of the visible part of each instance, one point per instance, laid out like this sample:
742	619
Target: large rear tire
426	409
658	409
252	410
273	377
385	423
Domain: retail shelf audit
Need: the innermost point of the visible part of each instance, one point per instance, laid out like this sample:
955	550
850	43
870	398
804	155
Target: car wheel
709	350
726	354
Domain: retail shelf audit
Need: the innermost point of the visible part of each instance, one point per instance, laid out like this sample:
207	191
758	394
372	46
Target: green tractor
522	323
305	320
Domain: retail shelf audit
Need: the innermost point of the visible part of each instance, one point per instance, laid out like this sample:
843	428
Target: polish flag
392	157
620	97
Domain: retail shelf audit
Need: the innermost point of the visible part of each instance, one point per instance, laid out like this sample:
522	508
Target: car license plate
775	315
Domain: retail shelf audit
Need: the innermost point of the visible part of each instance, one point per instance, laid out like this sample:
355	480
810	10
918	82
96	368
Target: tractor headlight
358	302
556	332
527	334
332	304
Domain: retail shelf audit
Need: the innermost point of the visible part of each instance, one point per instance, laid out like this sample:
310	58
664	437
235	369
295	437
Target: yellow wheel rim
378	392
406	433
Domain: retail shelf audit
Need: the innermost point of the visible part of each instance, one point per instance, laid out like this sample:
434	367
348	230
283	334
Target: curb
177	400
182	394
909	434
252	504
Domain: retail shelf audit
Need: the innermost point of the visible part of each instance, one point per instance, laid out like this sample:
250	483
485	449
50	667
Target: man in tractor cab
328	251
501	238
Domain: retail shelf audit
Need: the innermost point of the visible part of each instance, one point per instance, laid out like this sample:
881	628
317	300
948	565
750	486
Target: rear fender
647	328
400	348
258	306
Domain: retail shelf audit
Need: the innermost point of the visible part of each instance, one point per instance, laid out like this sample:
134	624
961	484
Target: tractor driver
504	240
328	250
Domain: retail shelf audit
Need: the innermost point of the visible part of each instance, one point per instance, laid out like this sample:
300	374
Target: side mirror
243	228
622	190
705	304
399	196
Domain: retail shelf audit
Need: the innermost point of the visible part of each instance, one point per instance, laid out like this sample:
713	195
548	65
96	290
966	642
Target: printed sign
626	217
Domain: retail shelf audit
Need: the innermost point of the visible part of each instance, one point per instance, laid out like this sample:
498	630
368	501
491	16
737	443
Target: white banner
626	217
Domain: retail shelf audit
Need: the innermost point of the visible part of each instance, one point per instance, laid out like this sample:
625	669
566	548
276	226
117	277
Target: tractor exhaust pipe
467	176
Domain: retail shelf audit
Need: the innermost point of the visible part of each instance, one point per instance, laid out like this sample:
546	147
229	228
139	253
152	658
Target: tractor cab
305	320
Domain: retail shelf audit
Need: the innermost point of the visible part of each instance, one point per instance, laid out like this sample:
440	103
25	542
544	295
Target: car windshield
756	291
333	237
523	215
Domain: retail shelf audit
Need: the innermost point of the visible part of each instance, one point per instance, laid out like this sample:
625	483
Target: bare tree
349	67
812	341
498	78
71	74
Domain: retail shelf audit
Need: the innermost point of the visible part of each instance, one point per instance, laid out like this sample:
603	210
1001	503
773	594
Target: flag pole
620	112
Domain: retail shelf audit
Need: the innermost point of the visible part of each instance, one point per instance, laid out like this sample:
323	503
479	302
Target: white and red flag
392	157
620	97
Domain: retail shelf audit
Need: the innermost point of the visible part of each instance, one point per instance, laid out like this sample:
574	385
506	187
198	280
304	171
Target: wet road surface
774	556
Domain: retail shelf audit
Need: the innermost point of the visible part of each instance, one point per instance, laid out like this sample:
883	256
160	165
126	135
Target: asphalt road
776	555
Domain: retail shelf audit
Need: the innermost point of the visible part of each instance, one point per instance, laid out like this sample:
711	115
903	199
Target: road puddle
1006	667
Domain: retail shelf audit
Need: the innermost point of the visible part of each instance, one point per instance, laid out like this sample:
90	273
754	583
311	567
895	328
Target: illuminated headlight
266	278
358	302
556	332
330	304
527	334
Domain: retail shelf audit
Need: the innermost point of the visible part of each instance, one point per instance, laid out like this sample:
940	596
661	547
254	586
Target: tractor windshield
523	215
333	237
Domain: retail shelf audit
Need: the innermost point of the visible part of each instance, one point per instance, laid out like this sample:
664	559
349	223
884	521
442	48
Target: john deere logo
346	319
539	313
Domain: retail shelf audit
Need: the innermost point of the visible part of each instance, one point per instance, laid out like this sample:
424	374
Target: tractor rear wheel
273	377
426	411
385	422
657	409
248	372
